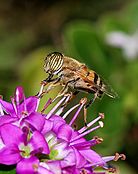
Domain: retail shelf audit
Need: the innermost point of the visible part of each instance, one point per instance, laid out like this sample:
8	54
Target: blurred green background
102	34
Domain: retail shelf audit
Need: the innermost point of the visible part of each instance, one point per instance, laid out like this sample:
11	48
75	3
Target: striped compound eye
53	63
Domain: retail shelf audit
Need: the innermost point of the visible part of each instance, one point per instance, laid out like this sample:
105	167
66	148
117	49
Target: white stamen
14	105
101	124
85	133
69	111
59	112
108	158
1	110
40	92
82	103
89	124
62	108
55	107
96	164
17	97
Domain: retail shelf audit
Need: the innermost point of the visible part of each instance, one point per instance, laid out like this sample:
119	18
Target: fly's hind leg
72	95
92	100
72	83
88	105
97	94
65	90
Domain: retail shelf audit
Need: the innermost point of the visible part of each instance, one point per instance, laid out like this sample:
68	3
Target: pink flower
38	143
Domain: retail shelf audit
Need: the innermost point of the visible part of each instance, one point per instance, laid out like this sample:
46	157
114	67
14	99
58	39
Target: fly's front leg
44	83
52	83
50	87
42	92
47	80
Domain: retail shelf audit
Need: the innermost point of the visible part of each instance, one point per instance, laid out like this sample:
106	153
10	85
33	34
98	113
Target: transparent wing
108	90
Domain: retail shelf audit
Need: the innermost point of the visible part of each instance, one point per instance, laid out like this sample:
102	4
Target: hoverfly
74	77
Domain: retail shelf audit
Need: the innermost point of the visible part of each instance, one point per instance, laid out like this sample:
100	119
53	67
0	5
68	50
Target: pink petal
36	120
47	126
57	118
80	160
38	141
7	107
43	170
74	135
9	155
11	134
57	122
64	132
63	150
7	119
19	94
71	170
54	167
27	166
69	160
92	156
31	104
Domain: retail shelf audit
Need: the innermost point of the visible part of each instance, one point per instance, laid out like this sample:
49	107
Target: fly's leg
85	115
61	93
88	105
40	93
71	83
53	82
92	100
44	82
72	96
50	87
64	92
66	89
48	79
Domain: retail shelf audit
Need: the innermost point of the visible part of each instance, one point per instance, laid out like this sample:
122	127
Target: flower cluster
46	144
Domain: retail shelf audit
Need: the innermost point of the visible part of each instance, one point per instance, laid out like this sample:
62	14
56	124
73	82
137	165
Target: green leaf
4	169
11	46
83	41
130	16
124	168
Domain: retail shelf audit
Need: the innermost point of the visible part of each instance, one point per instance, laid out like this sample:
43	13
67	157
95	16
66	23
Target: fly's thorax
71	64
